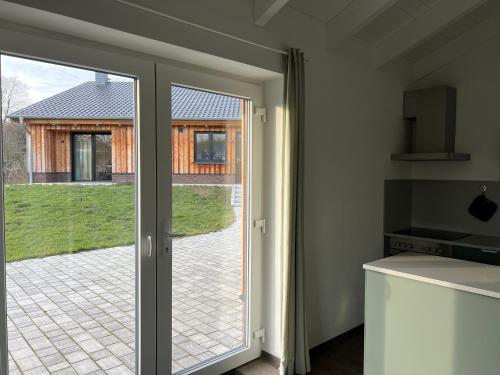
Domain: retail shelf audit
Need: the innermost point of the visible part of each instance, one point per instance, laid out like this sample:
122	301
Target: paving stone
109	362
108	340
91	345
63	343
178	353
188	361
176	367
70	349
40	343
37	371
17	344
119	349
28	363
80	308
219	349
76	356
22	353
100	354
52	359
59	366
120	370
84	367
129	360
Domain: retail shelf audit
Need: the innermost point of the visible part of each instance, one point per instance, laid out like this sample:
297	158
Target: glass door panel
103	158
82	157
205	304
69	248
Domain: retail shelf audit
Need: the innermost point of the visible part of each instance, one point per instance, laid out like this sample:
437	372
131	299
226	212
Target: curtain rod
180	20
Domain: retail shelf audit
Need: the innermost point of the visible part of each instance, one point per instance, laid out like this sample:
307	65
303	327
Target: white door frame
52	50
189	76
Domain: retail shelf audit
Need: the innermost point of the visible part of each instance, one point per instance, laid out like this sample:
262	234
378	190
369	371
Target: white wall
353	123
476	75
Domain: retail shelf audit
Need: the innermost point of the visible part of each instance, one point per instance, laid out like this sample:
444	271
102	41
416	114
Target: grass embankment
46	220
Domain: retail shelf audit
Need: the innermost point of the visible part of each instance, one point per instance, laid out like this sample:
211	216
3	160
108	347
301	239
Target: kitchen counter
470	277
431	315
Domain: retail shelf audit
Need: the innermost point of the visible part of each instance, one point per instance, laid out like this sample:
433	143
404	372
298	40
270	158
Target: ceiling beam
422	28
483	33
264	10
353	18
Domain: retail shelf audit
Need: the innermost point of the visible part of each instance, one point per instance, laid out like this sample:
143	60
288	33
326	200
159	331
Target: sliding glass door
208	297
92	157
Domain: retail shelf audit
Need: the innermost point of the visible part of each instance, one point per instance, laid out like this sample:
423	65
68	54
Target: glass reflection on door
103	158
82	153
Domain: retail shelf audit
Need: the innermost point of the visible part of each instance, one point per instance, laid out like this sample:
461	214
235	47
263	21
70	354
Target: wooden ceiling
423	33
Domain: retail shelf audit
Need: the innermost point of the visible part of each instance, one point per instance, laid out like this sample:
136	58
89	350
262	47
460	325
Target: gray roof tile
115	100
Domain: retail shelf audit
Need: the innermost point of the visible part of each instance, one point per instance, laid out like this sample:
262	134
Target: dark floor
342	355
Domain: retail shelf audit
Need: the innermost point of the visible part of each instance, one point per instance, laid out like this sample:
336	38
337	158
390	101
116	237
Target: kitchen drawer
477	255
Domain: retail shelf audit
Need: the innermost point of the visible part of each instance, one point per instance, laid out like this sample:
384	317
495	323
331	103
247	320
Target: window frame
210	147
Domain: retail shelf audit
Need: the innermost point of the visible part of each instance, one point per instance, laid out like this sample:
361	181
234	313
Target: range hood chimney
101	79
430	115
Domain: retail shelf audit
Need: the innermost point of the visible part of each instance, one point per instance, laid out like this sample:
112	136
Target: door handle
171	235
168	235
150	244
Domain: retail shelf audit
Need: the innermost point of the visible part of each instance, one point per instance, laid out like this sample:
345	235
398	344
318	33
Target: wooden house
86	133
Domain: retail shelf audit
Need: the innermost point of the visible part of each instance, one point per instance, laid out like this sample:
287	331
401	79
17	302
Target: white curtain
295	349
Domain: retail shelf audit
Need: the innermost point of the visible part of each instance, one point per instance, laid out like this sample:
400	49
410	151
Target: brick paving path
74	313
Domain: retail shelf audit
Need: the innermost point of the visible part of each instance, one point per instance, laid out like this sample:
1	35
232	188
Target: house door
78	277
145	278
92	159
208	292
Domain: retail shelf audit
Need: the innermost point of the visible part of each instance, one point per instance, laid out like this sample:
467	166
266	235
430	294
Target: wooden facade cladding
51	144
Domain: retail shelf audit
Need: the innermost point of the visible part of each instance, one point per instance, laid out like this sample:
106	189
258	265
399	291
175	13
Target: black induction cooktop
433	233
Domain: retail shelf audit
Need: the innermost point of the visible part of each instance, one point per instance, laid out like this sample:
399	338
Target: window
210	147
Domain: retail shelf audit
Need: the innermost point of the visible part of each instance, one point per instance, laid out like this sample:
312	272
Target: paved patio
74	314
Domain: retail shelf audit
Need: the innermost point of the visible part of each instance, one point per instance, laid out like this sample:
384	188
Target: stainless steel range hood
430	116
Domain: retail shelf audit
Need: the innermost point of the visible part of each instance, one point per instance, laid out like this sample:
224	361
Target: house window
210	147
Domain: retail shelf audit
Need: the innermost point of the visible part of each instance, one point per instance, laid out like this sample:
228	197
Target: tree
14	96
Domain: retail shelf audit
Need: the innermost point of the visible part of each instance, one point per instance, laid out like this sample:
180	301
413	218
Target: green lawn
46	220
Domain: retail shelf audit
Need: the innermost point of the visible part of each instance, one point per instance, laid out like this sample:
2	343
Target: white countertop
451	273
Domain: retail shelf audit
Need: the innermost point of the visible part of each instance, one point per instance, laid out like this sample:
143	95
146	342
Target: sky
46	79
